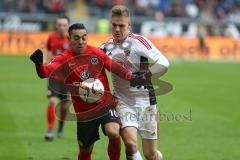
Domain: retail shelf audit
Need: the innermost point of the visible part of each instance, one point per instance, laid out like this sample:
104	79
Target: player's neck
60	35
119	42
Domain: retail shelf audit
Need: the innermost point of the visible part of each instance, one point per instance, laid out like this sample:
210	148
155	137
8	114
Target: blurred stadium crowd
35	6
212	10
210	17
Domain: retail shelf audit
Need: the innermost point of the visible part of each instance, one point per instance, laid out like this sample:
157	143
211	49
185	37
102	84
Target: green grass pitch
199	118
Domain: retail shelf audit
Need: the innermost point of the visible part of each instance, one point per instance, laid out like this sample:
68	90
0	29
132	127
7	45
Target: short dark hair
76	26
63	17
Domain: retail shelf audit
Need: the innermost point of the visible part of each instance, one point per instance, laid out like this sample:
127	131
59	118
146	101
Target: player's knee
131	146
150	154
52	101
112	133
112	130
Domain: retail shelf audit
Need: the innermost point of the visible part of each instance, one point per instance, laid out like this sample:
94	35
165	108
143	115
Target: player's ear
129	25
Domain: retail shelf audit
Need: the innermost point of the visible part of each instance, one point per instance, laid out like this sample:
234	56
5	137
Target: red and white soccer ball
91	90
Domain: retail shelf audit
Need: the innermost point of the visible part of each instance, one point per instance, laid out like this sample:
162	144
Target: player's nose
117	28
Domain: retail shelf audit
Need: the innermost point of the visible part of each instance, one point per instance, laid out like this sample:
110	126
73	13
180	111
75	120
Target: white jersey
134	53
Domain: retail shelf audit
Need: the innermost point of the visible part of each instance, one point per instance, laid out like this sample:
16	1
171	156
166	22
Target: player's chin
118	38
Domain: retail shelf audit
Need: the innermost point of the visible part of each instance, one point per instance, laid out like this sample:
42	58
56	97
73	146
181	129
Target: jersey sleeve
146	48
45	71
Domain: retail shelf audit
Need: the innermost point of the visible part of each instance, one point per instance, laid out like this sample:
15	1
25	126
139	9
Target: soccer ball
91	90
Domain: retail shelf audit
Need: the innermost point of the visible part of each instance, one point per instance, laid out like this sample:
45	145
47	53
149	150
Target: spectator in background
27	6
9	5
201	35
55	6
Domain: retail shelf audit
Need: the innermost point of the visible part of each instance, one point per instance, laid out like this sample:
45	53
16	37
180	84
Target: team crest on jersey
84	74
94	60
58	51
65	45
127	52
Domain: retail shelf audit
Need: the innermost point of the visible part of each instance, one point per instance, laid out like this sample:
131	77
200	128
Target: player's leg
150	150
129	121
64	108
85	153
87	134
129	136
111	128
52	101
149	133
51	109
114	144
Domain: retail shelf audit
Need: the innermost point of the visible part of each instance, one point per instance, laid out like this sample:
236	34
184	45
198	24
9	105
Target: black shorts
57	89
87	132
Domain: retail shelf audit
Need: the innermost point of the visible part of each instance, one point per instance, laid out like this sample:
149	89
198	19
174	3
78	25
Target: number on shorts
113	113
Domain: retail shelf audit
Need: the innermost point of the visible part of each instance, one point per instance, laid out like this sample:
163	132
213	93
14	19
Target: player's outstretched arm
115	67
37	58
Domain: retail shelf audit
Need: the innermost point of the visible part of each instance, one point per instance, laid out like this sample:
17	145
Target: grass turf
199	118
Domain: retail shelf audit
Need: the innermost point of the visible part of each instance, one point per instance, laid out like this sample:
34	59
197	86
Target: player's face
78	40
62	26
120	28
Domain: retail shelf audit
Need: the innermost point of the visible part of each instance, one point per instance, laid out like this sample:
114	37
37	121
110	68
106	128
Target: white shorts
145	119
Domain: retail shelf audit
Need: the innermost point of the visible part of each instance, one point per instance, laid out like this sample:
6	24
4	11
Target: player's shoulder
92	49
52	35
104	46
139	39
106	43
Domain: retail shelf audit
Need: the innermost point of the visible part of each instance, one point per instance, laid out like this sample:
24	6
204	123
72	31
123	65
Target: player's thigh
129	136
111	124
112	129
149	147
87	133
148	123
128	115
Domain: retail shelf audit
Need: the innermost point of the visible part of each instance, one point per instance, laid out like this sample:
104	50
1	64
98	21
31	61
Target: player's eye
76	38
84	37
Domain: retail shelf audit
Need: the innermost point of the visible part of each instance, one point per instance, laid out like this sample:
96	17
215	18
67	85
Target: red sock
84	155
51	117
114	148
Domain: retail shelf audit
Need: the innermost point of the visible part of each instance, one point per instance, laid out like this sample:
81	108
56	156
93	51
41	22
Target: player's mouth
117	34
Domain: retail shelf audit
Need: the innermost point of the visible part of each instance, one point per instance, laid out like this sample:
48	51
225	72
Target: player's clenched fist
37	57
141	78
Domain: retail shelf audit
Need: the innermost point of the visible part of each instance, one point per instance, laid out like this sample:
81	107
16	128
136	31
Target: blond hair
119	11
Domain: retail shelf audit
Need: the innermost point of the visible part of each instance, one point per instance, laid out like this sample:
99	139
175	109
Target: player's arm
43	71
159	66
114	67
160	63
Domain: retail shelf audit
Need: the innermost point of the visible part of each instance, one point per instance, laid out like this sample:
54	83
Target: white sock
159	155
136	156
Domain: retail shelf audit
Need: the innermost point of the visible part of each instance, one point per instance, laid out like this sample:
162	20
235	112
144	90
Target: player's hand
37	57
141	78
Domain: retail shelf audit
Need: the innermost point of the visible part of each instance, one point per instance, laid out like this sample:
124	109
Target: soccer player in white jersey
136	104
